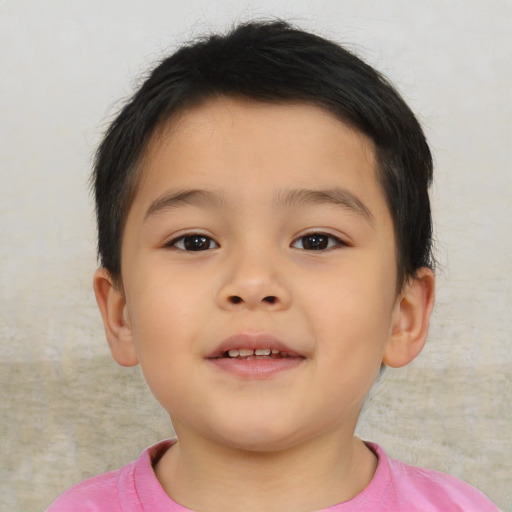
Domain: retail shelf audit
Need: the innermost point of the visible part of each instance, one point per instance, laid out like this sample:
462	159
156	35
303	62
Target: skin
290	433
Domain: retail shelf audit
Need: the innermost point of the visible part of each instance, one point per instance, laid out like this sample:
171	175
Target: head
272	63
264	191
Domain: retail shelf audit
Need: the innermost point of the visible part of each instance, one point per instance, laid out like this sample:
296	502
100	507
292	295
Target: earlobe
411	319
112	304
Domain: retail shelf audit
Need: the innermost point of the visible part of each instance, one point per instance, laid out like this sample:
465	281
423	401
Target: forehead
293	140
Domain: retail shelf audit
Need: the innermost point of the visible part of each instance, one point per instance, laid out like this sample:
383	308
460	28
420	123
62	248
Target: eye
195	242
317	242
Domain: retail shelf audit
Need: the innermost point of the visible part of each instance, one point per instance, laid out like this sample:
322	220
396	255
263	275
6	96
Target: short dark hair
272	62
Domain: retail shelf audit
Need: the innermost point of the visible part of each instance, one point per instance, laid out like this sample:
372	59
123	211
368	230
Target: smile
243	346
259	353
254	356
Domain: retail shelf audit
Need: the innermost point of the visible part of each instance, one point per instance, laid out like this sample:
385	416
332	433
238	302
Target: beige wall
67	412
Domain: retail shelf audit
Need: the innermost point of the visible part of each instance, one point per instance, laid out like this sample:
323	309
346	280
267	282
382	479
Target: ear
112	303
411	318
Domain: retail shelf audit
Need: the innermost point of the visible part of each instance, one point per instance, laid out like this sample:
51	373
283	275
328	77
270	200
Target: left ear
112	304
411	318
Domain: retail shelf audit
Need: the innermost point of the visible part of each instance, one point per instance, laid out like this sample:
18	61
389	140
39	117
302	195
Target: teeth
262	352
250	353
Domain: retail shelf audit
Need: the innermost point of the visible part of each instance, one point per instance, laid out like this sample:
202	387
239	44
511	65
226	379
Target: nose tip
253	279
240	292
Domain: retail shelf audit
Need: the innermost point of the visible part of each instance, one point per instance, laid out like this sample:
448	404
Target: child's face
259	226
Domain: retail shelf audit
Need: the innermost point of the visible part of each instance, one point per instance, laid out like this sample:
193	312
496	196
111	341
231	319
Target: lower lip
256	368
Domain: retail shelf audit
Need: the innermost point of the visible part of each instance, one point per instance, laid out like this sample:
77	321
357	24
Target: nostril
269	299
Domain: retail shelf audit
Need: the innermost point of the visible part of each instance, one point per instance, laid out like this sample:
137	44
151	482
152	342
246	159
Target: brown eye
316	242
194	243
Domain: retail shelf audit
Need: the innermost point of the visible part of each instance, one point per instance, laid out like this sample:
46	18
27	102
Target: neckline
152	495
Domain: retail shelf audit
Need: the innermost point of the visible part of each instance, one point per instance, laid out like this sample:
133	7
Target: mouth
249	354
252	346
254	356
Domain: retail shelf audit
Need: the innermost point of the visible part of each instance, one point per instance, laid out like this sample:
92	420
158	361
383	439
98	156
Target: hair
272	62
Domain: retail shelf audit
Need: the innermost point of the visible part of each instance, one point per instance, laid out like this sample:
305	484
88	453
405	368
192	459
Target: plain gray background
67	411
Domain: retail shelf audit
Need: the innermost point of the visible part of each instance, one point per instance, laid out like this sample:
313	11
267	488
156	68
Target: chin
256	445
259	438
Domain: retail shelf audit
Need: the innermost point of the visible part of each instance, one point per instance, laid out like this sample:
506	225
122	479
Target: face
259	273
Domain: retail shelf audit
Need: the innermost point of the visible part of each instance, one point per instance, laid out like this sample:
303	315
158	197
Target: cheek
161	298
167	313
158	317
163	345
352	311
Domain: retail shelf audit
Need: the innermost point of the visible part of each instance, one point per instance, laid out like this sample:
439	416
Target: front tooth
244	352
262	352
274	351
233	353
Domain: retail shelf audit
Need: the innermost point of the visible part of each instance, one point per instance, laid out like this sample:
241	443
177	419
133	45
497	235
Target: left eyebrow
183	197
336	196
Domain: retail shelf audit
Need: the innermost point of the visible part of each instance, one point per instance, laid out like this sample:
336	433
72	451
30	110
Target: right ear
112	303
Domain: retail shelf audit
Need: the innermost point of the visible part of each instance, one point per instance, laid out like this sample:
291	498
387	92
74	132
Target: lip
257	368
251	341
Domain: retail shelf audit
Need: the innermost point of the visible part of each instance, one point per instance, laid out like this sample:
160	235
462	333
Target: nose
253	282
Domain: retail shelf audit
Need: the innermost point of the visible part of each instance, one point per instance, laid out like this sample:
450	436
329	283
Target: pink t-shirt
395	487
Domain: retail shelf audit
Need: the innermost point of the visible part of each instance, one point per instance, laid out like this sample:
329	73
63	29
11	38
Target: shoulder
114	491
92	495
429	490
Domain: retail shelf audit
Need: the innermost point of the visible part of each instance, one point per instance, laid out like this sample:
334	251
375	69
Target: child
265	245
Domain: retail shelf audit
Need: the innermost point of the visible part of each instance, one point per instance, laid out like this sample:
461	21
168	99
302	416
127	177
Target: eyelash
321	238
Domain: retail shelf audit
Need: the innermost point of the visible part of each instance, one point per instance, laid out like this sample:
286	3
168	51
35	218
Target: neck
207	476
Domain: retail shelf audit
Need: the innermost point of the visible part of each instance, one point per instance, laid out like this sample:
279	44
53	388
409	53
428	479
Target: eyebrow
335	196
182	197
290	198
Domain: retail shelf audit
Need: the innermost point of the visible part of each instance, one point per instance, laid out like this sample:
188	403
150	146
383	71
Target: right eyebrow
340	197
191	197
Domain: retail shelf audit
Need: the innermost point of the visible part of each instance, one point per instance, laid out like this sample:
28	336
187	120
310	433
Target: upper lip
251	341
